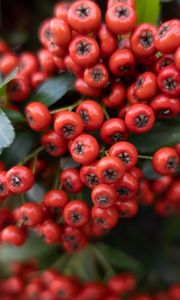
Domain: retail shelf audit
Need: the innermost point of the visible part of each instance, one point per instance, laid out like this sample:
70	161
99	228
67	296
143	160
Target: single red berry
120	18
126	152
13	235
28	64
18	89
37	79
73	239
167	38
161	184
131	96
122	283
165	161
76	213
137	172
72	67
61	10
103	196
84	149
91	114
44	33
38	116
96	76
55	198
146	86
68	124
8	63
54	144
61	32
127	187
88	175
105	217
108	42
142	40
84	16
50	231
169	81
116	97
83	88
110	169
30	214
122	62
139	118
163	62
70	180
165	107
128	208
113	131
46	62
84	50
20	179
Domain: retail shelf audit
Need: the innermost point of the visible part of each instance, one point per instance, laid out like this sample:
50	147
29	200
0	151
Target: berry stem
69	107
102	260
31	155
144	157
105	112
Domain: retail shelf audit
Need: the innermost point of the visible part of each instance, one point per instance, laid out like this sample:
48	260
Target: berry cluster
26	282
133	72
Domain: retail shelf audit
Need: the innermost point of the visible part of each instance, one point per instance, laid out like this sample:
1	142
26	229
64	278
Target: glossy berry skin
126	152
177	58
131	97
61	10
54	144
72	67
46	62
165	161
63	288
8	63
96	76
128	2
44	33
50	231
73	239
92	290
122	62
55	198
174	292
38	116
70	180
127	187
161	184
120	18
113	131
4	191
84	149
165	107
146	86
163	62
30	214
28	64
122	283
18	89
91	114
167	38
142	40
13	235
139	118
68	124
127	209
37	79
83	88
84	16
76	213
116	97
103	196
20	179
88	175
110	169
107	41
106	218
169	81
61	32
84	51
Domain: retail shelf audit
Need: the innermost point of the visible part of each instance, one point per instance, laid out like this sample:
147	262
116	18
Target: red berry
105	217
113	131
20	179
13	235
55	198
122	62
76	213
116	97
38	116
165	107
127	187
50	231
70	180
54	144
61	32
146	86
30	214
96	76
110	169
107	41
165	161
103	196
169	81
88	175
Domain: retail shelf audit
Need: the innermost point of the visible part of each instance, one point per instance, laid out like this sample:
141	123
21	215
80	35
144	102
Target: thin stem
145	157
34	163
106	112
56	179
69	107
31	155
102	260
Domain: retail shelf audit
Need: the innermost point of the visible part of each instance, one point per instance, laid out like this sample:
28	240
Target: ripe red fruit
165	107
55	198
127	187
70	180
165	161
139	118
128	2
61	10
13	235
63	288
113	131
61	32
38	116
68	124
84	149
28	64
18	89
122	62
103	196
110	169
105	217
73	239
88	175
83	88
30	214
50	231
20	179
8	63
54	144
128	208
76	213
169	81
107	41
116	97
96	76
146	86
84	16
122	283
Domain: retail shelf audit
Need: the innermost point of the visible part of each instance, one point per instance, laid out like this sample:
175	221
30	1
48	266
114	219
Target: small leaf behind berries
53	89
14	116
148	11
164	133
9	77
7	133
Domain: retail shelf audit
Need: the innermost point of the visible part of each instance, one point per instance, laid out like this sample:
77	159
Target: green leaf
148	11
14	116
7	133
20	148
164	133
53	89
9	77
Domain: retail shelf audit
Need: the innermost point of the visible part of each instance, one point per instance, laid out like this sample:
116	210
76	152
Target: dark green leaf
53	89
7	133
148	11
20	148
164	133
9	77
35	194
14	116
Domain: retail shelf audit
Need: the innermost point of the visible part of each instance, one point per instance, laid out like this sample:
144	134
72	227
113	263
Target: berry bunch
26	281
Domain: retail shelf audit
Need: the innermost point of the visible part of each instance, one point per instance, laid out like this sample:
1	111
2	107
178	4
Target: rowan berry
70	180
146	86
108	42
127	209
38	116
50	231
165	107
20	179
55	198
122	62
18	89
116	96
96	76
88	175
13	235
127	187
30	214
83	88
113	131
103	196
165	161
110	169
28	64
54	144
169	81
76	213
61	32
105	217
